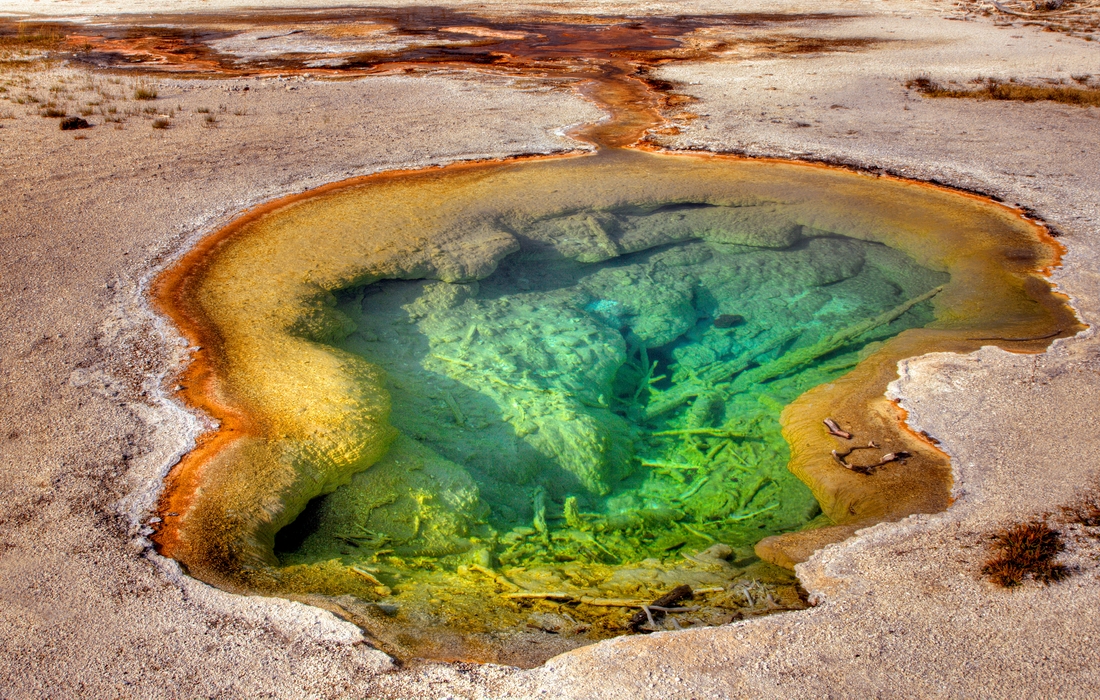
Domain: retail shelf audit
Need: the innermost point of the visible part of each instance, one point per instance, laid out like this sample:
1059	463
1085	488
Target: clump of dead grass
74	123
1086	511
1026	551
994	89
145	92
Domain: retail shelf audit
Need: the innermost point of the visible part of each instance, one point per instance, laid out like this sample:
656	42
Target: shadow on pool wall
272	302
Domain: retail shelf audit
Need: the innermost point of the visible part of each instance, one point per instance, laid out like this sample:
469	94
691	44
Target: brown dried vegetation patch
1085	512
1026	551
806	45
17	36
993	89
23	43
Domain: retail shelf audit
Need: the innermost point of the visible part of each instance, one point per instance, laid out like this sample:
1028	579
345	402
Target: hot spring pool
490	412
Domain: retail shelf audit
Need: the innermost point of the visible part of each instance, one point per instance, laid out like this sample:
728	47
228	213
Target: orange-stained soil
607	57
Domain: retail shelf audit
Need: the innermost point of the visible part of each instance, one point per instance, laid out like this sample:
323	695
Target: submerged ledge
242	296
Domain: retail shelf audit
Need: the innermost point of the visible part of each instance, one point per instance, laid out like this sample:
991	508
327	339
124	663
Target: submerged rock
728	320
413	501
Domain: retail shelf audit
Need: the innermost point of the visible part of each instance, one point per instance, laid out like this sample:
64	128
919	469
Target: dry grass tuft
1026	551
1085	512
993	89
161	123
21	41
145	92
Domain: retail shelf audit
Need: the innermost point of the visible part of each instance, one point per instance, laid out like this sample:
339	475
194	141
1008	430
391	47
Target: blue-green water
599	407
586	409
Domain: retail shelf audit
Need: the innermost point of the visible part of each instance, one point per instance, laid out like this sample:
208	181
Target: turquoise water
584	414
593	406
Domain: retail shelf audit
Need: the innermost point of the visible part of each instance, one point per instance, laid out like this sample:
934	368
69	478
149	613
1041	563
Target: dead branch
540	595
495	576
794	359
841	458
668	600
834	429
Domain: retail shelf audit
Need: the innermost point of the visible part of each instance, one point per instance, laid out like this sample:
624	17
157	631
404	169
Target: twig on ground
841	458
835	429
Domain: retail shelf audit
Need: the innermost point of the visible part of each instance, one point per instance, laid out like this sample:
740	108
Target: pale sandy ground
87	611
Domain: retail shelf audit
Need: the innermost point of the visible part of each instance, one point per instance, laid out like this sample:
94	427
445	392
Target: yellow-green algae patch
560	540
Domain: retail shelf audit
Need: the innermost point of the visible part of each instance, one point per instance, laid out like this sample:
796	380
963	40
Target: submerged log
791	361
715	375
656	609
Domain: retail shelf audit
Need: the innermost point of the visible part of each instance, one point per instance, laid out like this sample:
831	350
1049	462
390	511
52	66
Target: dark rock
70	123
728	320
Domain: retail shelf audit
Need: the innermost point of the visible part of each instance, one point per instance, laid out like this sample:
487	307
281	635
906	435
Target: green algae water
587	412
581	419
489	413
